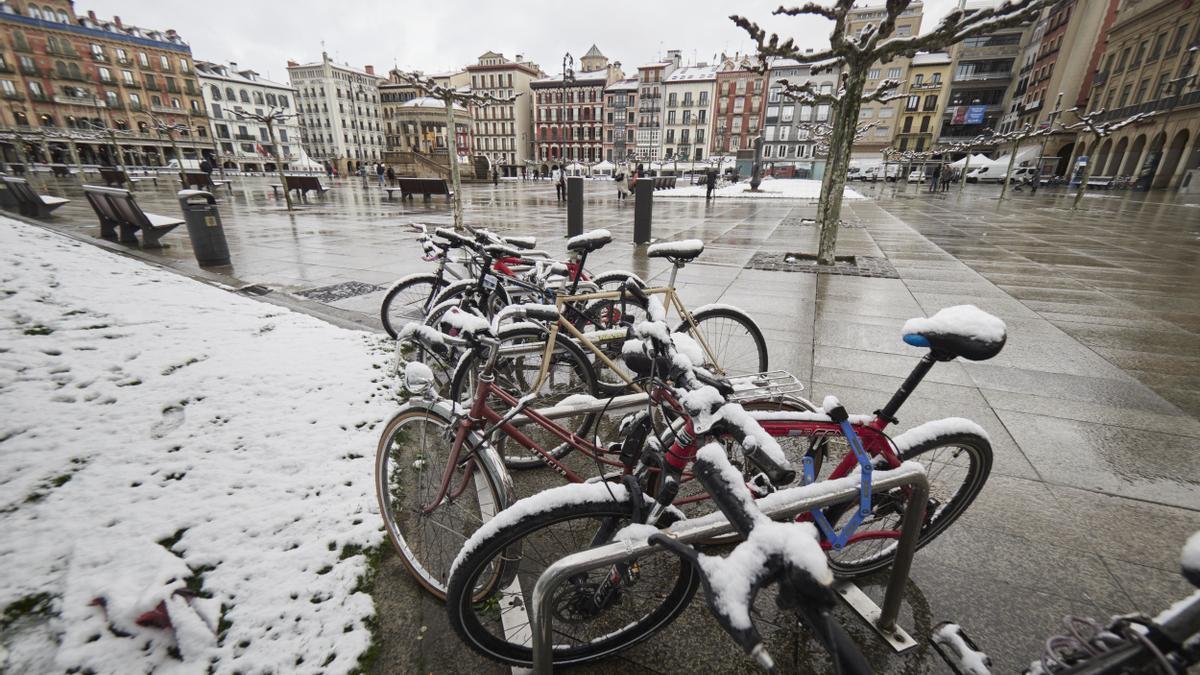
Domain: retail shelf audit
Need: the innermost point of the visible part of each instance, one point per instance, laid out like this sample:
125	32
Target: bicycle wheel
409	461
957	465
454	290
522	347
613	280
495	624
409	299
736	343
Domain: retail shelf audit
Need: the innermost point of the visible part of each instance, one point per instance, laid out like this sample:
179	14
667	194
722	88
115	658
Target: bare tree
169	129
1017	137
1091	124
854	56
451	96
272	117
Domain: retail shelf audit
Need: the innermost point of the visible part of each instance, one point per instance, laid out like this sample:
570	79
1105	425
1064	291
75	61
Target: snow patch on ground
780	188
160	434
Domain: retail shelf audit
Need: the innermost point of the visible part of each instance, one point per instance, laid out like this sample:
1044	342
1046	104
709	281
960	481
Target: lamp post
568	75
169	130
1037	180
359	136
273	116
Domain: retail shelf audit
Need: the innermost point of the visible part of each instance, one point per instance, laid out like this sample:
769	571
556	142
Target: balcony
984	77
99	58
151	85
245	137
136	107
12	96
68	53
925	86
166	109
41	98
33	71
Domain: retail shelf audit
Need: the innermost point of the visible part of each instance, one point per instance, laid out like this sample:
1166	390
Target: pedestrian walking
380	172
710	182
556	177
948	177
206	167
391	175
619	177
933	177
495	176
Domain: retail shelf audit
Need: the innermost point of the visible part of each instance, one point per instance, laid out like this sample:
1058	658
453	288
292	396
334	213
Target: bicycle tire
979	452
463	386
402	523
723	346
517	537
455	289
420	285
614	279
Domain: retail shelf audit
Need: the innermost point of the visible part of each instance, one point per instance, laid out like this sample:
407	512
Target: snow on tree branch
463	97
958	26
807	93
886	91
1090	122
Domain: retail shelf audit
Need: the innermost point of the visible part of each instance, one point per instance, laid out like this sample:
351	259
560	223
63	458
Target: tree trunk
966	167
1087	172
75	157
1008	176
287	195
833	184
452	150
120	158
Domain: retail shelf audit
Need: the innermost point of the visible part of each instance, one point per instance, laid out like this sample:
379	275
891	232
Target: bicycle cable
1086	639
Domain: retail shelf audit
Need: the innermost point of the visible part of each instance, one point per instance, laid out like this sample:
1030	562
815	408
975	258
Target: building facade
648	147
689	93
883	116
620	119
503	132
246	144
740	107
569	115
790	146
68	80
985	80
925	99
340	114
1149	64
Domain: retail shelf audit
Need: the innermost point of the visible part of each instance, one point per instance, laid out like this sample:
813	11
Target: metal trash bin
204	227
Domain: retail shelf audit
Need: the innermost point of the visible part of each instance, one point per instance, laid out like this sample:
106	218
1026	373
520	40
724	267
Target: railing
12	96
166	109
244	137
925	86
33	70
136	107
39	97
55	51
983	77
102	58
78	100
1162	104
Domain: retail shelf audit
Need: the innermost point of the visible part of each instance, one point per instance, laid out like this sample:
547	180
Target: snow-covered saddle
962	330
589	241
678	251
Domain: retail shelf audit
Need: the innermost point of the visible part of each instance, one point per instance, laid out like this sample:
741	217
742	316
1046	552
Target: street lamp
1037	180
169	130
568	75
359	136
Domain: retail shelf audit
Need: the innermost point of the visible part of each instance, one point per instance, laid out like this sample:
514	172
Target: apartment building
790	144
67	79
689	92
568	113
340	112
882	115
1149	64
241	143
924	100
620	119
740	105
503	131
649	133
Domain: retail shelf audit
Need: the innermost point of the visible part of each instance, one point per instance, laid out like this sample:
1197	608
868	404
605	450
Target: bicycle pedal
958	650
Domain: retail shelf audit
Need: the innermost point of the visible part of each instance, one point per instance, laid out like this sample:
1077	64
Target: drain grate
850	265
805	221
254	289
342	291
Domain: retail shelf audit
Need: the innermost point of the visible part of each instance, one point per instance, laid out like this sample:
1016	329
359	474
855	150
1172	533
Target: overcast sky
441	35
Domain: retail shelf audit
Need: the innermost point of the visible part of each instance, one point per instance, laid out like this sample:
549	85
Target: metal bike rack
786	503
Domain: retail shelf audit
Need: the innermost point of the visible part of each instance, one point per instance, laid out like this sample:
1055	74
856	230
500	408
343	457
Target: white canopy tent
604	168
976	160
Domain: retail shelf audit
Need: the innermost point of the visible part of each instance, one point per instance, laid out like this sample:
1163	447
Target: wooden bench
60	170
422	186
29	202
121	217
1104	182
664	182
301	185
119	178
201	180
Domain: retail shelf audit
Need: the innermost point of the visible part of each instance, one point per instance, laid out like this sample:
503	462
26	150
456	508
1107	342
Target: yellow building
921	109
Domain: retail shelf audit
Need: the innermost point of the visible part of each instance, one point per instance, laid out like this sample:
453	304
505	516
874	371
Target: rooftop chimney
92	16
292	64
233	64
370	70
117	20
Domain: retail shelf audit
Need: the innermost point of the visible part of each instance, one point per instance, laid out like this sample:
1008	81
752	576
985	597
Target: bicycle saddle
962	330
524	243
589	241
677	251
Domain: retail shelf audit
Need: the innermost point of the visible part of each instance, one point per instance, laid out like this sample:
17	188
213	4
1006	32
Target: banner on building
959	116
975	114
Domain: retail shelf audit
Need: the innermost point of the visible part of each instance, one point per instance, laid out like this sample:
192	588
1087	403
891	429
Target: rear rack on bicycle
769	384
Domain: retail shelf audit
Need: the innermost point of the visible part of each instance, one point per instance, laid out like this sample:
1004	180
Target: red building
568	118
740	106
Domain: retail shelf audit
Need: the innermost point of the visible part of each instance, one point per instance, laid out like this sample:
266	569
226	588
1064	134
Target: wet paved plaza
1093	407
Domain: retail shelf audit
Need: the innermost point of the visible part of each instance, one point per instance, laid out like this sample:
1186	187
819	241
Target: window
1125	95
930	103
164	62
670	117
1177	43
893	73
937	78
823	112
111	98
122	56
143	59
925	124
127	76
912	103
768	134
887	112
135	101
7	88
176	104
785	133
105	75
903	31
184	67
1141	91
873	74
703	98
907	125
918	79
788	114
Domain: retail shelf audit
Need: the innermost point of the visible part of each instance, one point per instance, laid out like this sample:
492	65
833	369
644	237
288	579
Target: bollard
204	227
574	206
643	210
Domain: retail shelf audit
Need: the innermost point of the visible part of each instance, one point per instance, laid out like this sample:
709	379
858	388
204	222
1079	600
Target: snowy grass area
770	188
185	474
